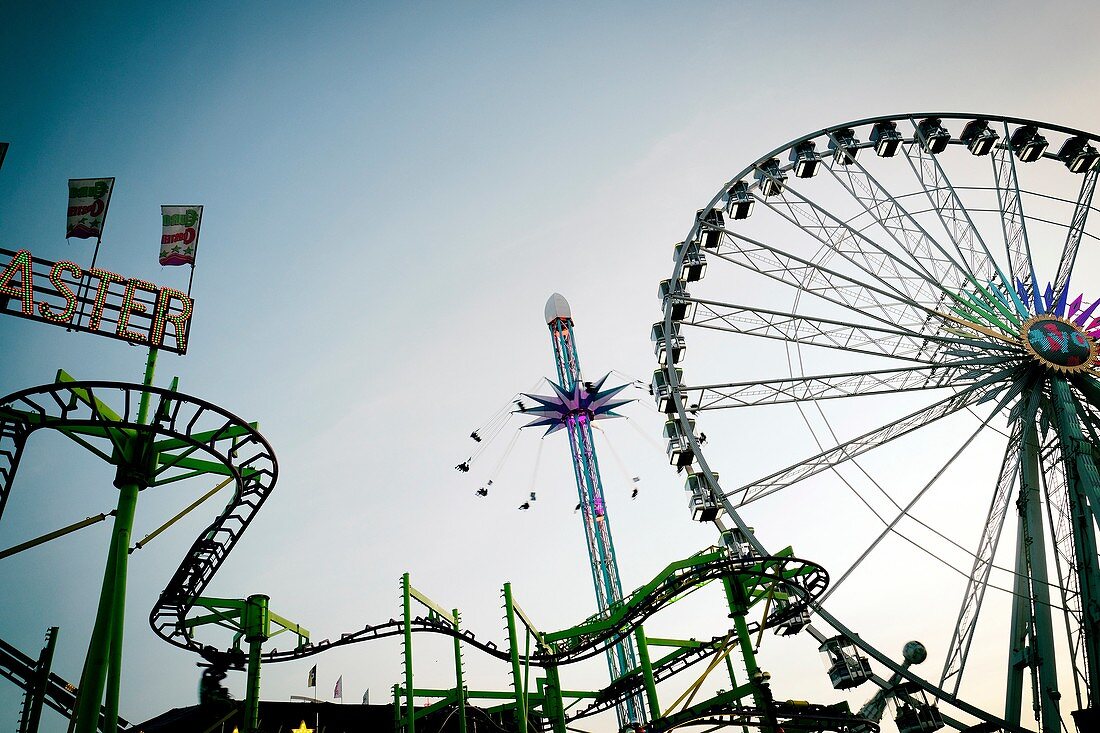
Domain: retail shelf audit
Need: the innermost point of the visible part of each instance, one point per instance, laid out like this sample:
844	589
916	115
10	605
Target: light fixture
770	177
740	203
886	138
979	137
844	145
1028	143
806	160
1078	155
933	135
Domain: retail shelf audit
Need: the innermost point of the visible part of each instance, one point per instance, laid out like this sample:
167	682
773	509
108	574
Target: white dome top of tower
557	307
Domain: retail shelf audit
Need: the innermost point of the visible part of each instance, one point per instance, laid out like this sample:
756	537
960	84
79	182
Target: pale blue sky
392	191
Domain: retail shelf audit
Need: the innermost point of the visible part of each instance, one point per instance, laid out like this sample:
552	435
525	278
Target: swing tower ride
573	406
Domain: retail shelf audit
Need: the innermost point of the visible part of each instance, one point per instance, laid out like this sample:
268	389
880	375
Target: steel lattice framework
934	253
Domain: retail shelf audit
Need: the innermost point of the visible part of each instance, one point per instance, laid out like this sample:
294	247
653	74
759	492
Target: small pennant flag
312	681
179	237
338	691
88	202
3	153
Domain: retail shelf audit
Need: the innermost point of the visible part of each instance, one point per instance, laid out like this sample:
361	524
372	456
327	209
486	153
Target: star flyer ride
902	245
573	407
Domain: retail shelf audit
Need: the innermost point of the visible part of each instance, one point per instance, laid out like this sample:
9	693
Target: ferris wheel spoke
834	386
1013	223
1073	236
978	580
905	511
904	279
909	234
979	391
827	333
804	275
951	212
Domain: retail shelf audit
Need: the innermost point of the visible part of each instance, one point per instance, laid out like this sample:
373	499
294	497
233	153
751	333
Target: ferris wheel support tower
573	408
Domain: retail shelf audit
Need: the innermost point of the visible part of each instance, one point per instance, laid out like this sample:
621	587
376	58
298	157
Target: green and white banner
180	235
88	202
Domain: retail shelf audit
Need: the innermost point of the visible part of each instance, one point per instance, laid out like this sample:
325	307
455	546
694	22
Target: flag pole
86	280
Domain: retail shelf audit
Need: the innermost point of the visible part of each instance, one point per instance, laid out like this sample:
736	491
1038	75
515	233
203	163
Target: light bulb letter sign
95	300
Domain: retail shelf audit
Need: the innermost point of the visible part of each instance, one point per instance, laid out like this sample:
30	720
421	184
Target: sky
391	193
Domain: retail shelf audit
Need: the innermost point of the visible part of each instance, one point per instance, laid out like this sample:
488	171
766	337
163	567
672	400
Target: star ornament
592	402
302	729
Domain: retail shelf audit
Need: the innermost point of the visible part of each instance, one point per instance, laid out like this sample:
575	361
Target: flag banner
312	682
88	202
3	153
338	691
179	238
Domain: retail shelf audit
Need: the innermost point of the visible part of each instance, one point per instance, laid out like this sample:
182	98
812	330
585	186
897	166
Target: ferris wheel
911	303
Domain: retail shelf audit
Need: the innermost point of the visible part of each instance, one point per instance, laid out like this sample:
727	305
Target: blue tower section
573	408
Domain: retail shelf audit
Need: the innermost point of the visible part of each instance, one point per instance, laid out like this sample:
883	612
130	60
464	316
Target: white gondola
979	137
915	714
770	177
738	202
675	291
847	667
933	136
794	623
702	498
657	335
844	145
806	160
680	452
712	222
1028	144
695	262
662	390
886	138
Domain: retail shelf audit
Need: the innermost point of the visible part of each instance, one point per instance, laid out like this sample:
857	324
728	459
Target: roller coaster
185	437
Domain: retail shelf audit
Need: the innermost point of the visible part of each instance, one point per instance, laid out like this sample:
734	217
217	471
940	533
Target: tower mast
580	403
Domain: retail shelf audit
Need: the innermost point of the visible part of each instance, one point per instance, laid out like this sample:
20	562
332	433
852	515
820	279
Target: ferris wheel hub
1058	343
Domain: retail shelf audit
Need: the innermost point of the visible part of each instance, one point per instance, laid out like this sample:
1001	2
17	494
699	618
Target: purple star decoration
591	402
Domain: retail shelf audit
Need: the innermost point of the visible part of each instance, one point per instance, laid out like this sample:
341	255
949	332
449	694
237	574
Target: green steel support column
1083	488
103	665
647	674
552	706
105	646
1021	624
36	694
517	680
406	607
128	494
761	693
460	685
1042	656
256	625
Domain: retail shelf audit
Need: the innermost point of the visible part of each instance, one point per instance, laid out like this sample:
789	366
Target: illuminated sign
1059	344
94	300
